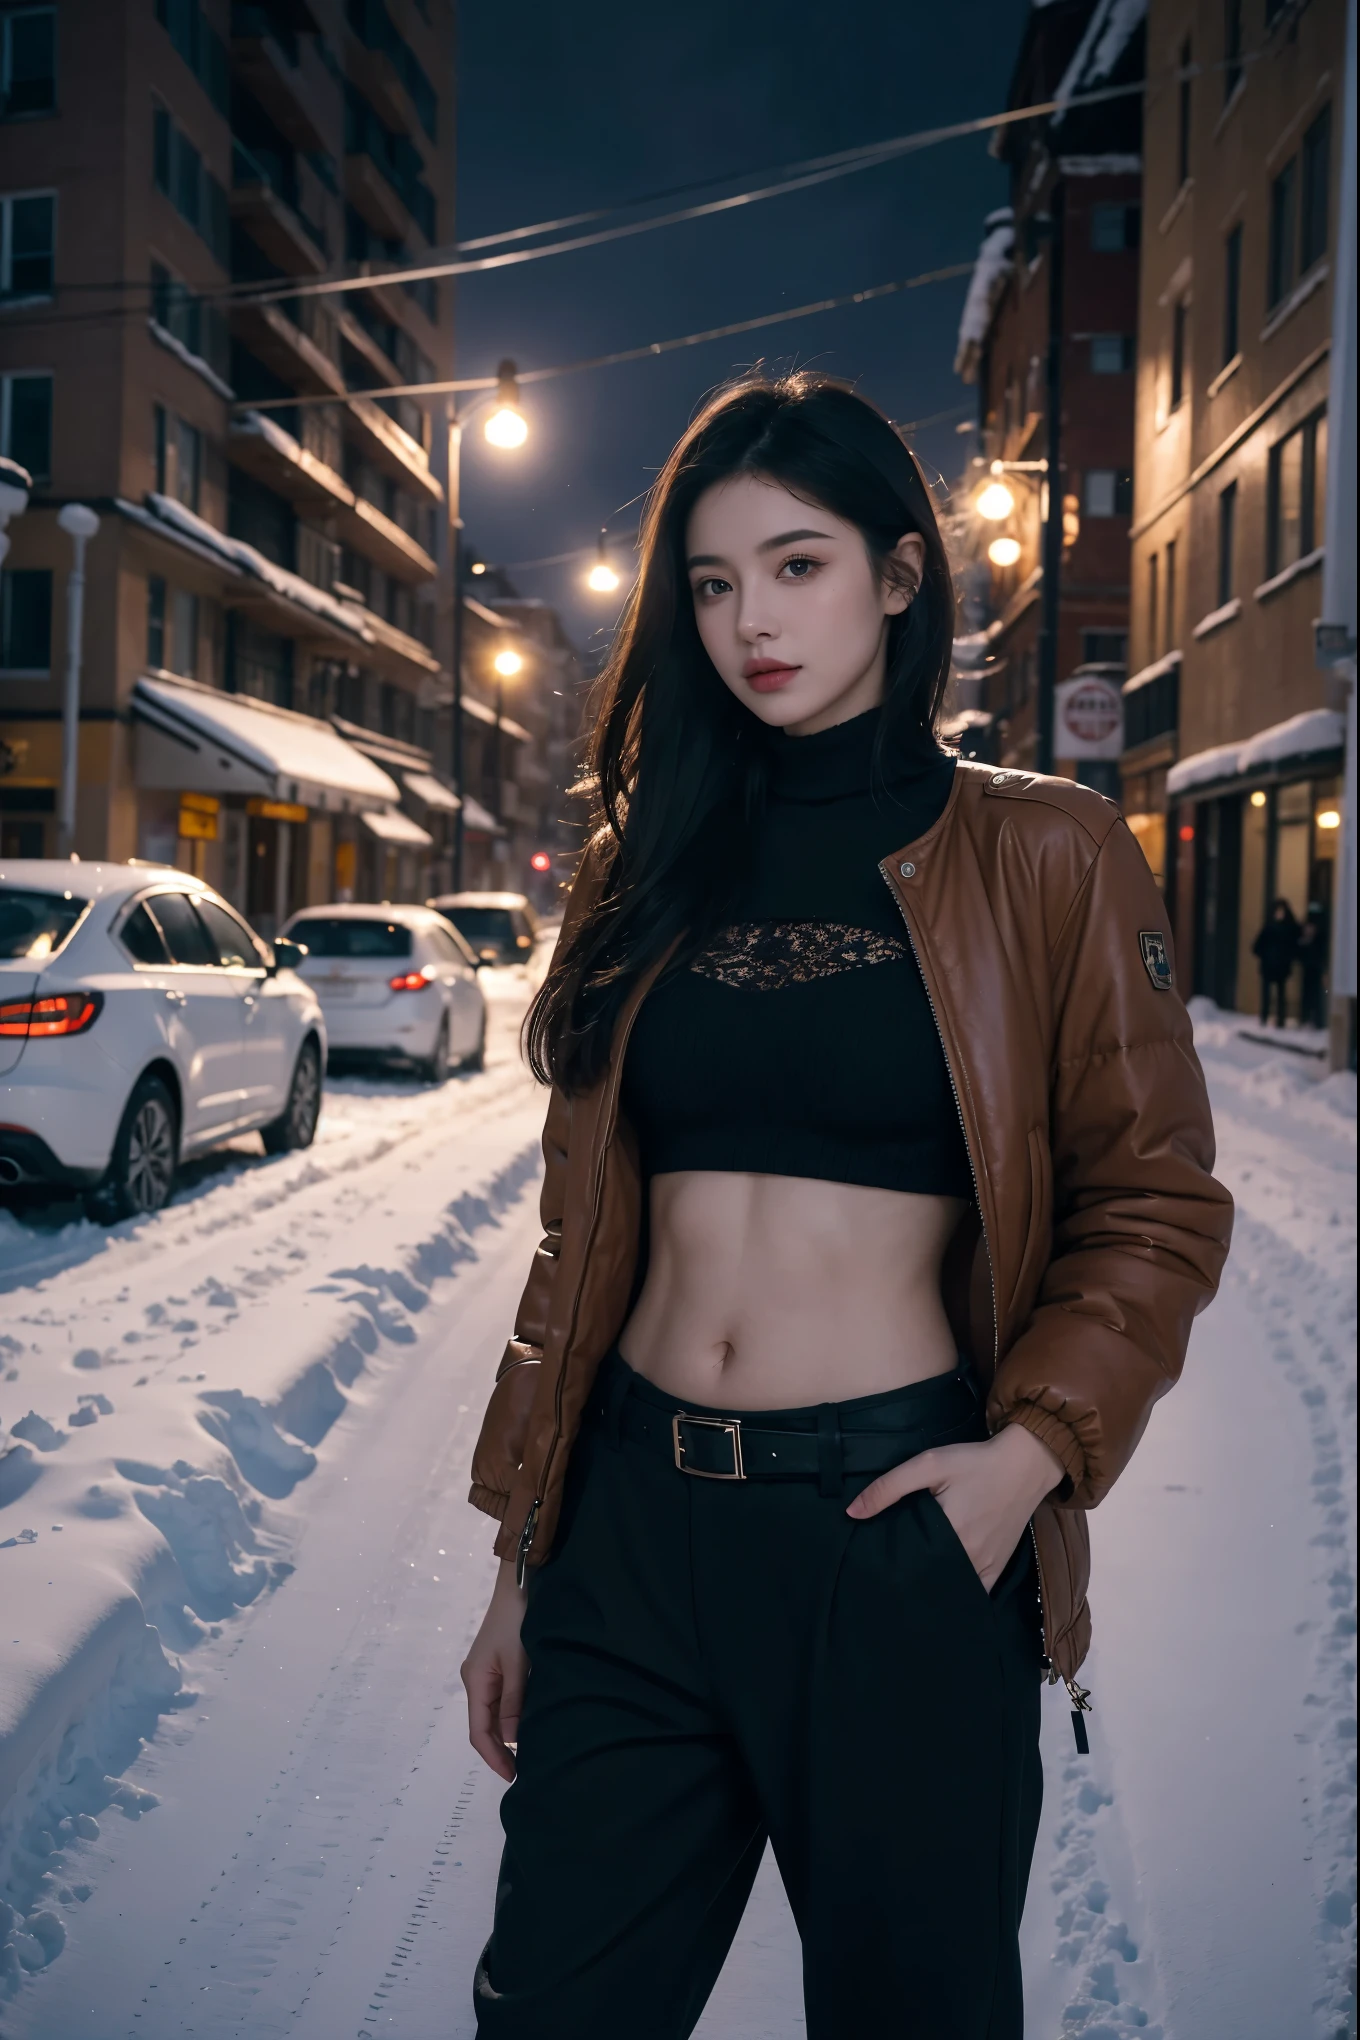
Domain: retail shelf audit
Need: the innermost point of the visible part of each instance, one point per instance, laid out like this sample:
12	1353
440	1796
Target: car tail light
58	1013
410	981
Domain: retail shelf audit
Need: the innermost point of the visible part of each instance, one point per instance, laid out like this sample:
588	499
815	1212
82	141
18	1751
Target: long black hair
675	763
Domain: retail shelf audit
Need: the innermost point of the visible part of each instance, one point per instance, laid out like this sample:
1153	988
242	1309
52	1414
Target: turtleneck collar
838	762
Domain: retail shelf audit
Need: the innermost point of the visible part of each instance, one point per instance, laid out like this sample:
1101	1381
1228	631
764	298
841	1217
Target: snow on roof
430	790
392	827
990	271
1109	32
298	758
478	818
1147	674
235	552
1308	735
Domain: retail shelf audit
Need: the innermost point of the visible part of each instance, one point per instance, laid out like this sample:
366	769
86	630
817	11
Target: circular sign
1093	711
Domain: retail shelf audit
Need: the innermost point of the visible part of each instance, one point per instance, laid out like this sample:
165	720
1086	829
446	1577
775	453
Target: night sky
562	109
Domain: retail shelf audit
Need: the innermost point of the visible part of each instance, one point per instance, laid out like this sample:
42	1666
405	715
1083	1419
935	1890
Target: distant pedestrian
1276	949
1315	942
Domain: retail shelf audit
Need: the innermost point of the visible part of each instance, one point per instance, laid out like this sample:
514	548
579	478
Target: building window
1317	151
201	48
197	326
1295	494
1169	620
178	170
1280	259
28	61
1183	108
1179	321
28	225
155	622
1227	543
1111	353
1232	47
1232	295
26	422
179	458
26	622
1154	602
1152	710
1109	492
184	633
1115	228
1104	647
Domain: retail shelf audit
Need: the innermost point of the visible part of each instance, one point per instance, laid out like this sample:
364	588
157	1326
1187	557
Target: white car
394	983
141	1021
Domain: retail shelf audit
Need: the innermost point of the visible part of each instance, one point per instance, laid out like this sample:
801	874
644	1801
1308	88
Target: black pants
715	1662
1279	988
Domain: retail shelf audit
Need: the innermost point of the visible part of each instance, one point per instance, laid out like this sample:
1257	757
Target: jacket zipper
1052	1671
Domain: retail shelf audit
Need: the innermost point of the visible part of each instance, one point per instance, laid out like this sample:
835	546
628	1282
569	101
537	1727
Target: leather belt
734	1448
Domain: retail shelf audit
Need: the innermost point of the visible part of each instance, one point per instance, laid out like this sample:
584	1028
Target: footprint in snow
35	1430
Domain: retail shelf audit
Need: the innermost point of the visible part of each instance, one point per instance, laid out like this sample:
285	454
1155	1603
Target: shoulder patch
1156	958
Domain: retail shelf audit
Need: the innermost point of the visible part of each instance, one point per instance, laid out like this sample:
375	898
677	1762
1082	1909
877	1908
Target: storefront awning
196	739
478	821
431	792
1319	733
399	830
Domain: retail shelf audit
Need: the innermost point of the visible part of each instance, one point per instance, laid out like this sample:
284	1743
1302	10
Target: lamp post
80	525
505	665
506	428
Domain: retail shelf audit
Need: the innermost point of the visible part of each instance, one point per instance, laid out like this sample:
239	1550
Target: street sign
1088	718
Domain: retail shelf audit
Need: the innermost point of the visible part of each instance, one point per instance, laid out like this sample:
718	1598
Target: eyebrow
765	546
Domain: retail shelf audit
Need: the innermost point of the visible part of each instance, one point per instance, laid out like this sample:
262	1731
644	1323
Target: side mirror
487	956
288	955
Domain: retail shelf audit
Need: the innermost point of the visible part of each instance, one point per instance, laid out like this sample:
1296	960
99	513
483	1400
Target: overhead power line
655	347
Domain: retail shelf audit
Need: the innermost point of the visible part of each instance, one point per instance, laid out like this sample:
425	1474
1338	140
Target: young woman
878	1206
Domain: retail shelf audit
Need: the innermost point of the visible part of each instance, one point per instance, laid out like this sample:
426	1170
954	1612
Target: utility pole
1053	524
456	632
80	525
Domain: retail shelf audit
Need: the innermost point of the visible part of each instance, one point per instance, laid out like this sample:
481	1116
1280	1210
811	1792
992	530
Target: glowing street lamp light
507	664
506	426
1004	552
602	580
994	502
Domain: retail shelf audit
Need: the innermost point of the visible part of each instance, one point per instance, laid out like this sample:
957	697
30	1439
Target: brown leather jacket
1099	1231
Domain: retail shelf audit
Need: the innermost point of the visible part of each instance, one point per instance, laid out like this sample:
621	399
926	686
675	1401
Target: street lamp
602	580
511	431
507	426
505	665
80	525
1004	552
994	502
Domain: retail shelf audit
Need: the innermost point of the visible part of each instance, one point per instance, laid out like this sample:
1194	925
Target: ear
910	556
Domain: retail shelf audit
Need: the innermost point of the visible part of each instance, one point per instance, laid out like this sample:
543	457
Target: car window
141	938
352	938
489	926
233	941
524	934
185	936
36	923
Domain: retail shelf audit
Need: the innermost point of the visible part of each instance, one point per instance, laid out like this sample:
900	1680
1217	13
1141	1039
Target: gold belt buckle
731	1425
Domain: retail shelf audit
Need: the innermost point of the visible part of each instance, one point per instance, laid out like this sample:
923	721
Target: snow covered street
246	1423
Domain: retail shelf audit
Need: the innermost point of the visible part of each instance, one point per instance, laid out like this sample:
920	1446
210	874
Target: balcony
356	335
380	61
392	652
375	199
261	201
383	442
286	350
263	449
265	57
368	531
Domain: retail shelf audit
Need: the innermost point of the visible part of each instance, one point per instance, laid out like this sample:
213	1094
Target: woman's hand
493	1673
988	1491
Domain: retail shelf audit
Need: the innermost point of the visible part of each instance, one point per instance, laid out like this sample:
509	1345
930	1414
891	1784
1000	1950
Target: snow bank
165	1389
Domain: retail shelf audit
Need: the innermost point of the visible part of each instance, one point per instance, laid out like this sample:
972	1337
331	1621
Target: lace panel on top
764	956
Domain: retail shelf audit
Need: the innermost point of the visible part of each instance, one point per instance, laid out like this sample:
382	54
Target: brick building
1075	181
1234	750
265	692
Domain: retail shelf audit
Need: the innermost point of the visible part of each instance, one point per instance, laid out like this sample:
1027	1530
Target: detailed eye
711	586
799	568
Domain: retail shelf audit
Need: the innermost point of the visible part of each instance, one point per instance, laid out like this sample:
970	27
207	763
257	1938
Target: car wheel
477	1059
435	1068
141	1172
295	1126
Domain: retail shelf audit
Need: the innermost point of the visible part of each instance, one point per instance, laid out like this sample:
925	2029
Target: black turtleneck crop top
799	1041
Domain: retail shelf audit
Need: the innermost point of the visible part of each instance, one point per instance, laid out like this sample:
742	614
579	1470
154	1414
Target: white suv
141	1020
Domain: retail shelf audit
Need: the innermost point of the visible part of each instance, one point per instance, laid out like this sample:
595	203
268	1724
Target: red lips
768	675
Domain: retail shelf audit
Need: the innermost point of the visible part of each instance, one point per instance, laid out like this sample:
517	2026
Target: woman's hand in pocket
988	1491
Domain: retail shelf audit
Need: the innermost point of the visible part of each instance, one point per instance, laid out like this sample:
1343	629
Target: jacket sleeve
505	1426
1140	1226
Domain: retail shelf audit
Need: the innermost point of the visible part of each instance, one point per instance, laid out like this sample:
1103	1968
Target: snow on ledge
173	345
236	552
1147	674
1315	732
990	271
1216	618
1290	573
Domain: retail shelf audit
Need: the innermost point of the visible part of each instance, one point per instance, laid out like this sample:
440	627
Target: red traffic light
540	861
